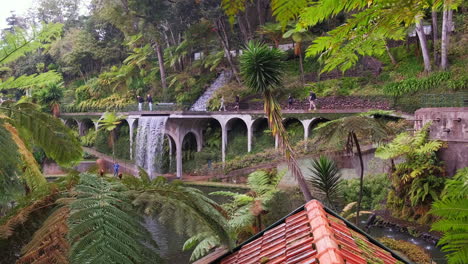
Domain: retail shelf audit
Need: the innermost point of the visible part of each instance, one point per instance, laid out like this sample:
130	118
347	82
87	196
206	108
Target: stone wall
449	124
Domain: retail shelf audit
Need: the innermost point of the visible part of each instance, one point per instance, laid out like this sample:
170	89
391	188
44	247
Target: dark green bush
374	190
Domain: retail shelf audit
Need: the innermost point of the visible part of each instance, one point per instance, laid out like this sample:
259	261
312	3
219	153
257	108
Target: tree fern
9	165
31	171
49	244
185	208
453	210
45	131
103	227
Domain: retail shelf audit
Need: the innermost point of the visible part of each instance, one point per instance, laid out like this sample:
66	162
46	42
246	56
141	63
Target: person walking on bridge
236	107
140	103
290	102
149	99
222	106
312	98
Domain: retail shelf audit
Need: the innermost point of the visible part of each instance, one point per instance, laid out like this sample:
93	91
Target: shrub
375	190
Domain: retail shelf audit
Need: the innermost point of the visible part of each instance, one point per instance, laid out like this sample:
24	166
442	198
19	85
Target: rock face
202	102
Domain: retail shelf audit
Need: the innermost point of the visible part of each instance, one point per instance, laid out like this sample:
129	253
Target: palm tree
262	70
325	177
109	122
50	97
299	36
346	132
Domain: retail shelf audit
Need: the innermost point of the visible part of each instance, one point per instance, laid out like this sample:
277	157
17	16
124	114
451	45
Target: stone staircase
202	102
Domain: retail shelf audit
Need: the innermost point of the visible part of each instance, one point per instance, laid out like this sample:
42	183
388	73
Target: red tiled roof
309	236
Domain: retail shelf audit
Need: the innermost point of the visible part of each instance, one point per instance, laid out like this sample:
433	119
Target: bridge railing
127	108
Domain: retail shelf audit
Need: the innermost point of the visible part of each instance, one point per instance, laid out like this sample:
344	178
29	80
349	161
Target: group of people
312	97
149	100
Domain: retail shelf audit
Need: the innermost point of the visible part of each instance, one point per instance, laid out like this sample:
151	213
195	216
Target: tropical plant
273	31
420	175
109	122
325	177
49	97
96	219
22	125
452	208
244	211
346	132
299	36
262	70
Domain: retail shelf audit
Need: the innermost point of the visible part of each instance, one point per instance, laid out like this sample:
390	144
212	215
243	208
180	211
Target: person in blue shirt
116	169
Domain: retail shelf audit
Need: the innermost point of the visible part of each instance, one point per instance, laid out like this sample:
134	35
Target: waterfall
202	102
149	143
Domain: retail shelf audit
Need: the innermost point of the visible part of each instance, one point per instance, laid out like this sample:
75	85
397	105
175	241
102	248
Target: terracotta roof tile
309	236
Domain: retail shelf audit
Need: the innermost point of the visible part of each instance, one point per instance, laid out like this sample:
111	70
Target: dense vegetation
56	59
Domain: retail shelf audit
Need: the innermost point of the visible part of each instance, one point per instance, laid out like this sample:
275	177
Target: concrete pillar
249	137
130	122
179	157
199	136
96	125
223	141
306	124
81	127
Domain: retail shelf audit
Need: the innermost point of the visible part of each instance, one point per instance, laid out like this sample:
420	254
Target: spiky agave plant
262	70
325	177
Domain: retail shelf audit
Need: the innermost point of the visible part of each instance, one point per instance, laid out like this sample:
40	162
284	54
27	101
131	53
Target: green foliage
244	211
18	44
325	177
103	227
187	209
89	139
375	189
261	67
418	180
31	81
412	85
452	208
408	249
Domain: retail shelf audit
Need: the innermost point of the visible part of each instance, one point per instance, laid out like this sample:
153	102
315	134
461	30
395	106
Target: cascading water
149	143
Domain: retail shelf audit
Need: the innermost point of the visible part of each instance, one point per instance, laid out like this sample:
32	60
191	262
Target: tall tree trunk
435	36
446	28
361	177
423	43
222	35
162	70
243	28
301	66
260	12
390	55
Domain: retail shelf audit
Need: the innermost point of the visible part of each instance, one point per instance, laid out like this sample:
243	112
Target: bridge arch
260	139
237	132
314	123
295	129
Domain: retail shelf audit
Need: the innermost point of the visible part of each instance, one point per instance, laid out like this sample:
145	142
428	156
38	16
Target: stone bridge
182	123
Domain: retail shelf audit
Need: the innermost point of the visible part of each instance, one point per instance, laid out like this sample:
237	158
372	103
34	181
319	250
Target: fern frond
21	216
47	132
103	226
49	243
31	172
